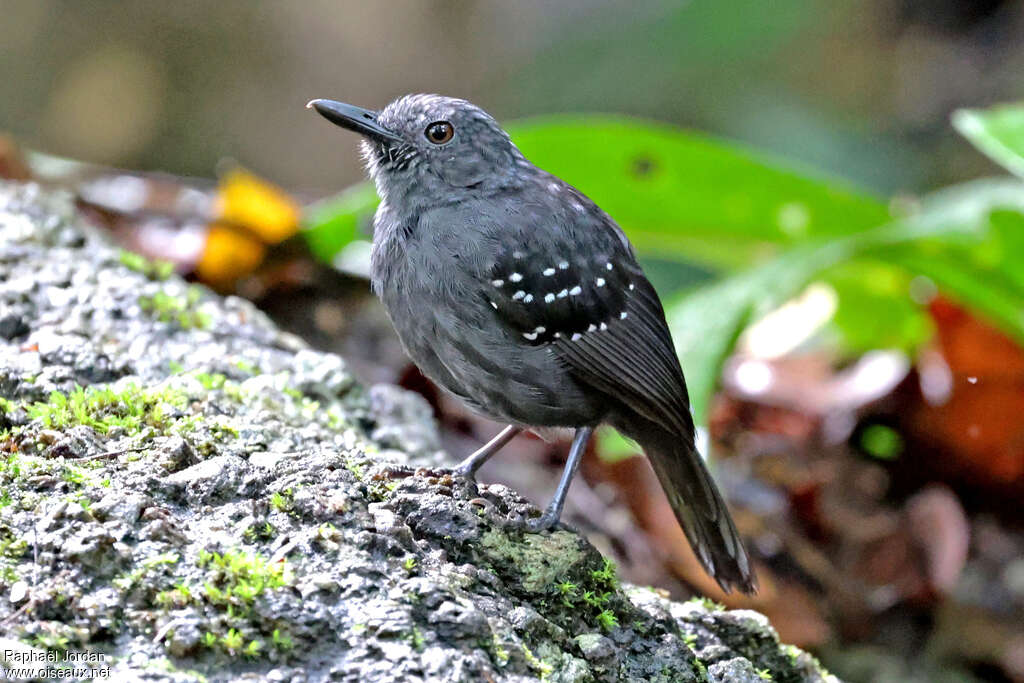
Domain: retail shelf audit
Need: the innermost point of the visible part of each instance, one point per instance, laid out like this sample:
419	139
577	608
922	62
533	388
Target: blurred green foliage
881	442
998	132
337	221
765	230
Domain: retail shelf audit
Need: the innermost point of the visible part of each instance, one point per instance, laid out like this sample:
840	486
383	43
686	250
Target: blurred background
861	88
852	339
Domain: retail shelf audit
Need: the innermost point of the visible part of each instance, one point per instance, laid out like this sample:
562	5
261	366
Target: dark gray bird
515	292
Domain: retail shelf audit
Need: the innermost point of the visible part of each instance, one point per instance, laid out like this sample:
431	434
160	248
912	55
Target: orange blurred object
250	215
246	199
979	424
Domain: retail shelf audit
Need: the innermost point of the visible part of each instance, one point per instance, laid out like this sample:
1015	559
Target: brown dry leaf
978	428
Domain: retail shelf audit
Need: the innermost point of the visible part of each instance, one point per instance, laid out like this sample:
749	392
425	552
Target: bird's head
429	147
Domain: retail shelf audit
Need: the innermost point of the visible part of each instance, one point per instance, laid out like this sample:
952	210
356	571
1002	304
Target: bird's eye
439	132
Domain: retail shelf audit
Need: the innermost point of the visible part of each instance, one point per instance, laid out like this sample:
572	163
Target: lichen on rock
199	496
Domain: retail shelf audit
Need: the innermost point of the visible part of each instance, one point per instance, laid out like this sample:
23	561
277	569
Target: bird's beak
362	121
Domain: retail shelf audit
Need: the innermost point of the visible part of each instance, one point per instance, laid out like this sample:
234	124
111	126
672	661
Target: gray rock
594	646
183	634
220	476
126	507
12	325
404	421
90	546
736	670
219	502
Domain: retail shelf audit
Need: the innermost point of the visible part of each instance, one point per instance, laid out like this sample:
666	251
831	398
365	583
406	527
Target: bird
516	293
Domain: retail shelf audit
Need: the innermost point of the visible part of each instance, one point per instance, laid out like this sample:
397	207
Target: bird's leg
469	466
554	510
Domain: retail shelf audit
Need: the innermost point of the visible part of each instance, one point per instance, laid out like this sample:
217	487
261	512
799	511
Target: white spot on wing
564	293
563	264
528	298
592	328
623	315
604	326
530	335
576	336
575	290
518	295
497	283
515	277
608	265
600	282
494	305
549	297
549	271
631	286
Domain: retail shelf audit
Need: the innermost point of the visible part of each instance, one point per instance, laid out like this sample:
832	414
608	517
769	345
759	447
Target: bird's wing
596	312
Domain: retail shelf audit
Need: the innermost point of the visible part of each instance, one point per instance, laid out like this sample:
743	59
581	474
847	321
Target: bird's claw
464	472
540	524
532	525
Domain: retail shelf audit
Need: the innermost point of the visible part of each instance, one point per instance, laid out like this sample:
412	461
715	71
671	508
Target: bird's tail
695	499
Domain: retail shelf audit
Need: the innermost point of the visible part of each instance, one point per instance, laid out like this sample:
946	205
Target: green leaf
333	223
684	196
998	132
974	249
613	447
706	323
875	309
933	241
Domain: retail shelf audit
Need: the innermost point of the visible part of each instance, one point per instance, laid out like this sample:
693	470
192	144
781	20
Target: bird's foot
517	519
534	525
465	471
